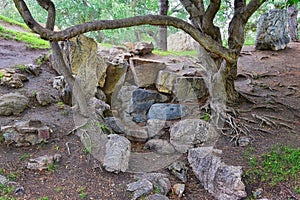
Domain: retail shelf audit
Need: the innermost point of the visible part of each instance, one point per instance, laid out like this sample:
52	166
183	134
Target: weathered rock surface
115	75
179	170
156	128
160	146
11	78
13	104
115	124
157	197
181	41
189	89
145	71
189	132
140	188
142	48
165	81
221	180
44	98
142	100
43	162
117	153
25	133
136	133
80	53
272	30
163	111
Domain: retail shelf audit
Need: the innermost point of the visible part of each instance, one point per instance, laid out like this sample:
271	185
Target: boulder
25	133
156	128
81	53
13	104
160	146
272	30
142	48
140	188
221	180
136	133
189	132
165	81
163	111
145	71
115	75
189	89
181	41
117	153
115	124
44	98
11	78
43	162
179	170
157	197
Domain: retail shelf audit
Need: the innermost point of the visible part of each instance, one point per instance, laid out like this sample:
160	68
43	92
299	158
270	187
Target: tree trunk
293	23
162	30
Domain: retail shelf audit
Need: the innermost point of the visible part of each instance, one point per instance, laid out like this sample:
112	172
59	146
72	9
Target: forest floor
270	80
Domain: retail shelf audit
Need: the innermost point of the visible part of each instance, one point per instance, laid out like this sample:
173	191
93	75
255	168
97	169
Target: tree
220	61
162	30
293	23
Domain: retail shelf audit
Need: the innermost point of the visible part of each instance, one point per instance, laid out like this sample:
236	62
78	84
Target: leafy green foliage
1	75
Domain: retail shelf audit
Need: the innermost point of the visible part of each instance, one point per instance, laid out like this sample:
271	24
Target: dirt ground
270	79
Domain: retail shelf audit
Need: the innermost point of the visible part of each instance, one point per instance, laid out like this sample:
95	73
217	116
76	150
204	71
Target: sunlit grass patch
31	40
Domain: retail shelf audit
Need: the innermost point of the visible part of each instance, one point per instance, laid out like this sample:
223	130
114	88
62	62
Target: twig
68	148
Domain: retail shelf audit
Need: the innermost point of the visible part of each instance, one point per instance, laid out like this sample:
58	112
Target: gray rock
157	197
34	69
160	146
80	52
13	104
179	189
160	181
3	180
189	132
167	111
156	128
117	154
12	79
43	162
145	71
142	100
179	170
272	30
165	81
221	180
140	188
44	98
115	124
143	48
58	82
25	133
100	95
115	75
244	141
98	106
189	89
136	133
181	41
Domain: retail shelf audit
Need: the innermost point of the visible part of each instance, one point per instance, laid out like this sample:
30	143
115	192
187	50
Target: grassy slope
31	39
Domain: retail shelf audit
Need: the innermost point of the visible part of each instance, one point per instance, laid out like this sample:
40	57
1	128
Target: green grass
31	40
11	21
176	53
24	156
6	192
281	164
1	75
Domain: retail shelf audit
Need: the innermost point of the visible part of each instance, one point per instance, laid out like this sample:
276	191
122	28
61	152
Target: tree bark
162	30
293	23
58	57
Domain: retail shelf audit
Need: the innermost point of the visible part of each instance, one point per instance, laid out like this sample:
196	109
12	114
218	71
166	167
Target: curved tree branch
204	40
